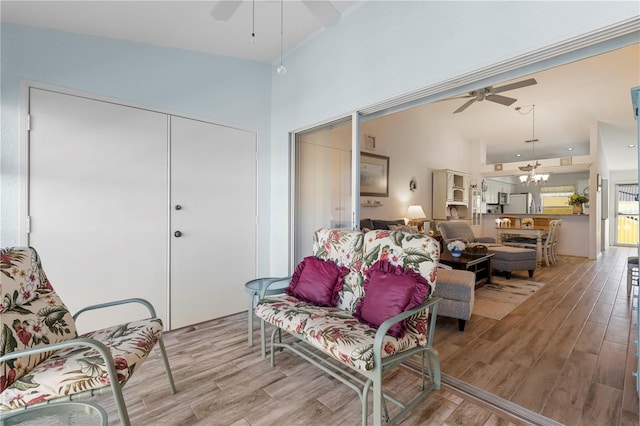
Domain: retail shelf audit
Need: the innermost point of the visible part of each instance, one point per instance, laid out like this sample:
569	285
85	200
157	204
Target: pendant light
532	177
282	70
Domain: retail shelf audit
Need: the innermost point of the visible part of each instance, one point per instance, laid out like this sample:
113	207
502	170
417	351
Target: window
554	199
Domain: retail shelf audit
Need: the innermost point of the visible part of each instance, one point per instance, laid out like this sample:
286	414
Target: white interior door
214	183
98	201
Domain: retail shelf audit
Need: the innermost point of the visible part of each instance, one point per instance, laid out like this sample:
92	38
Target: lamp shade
415	212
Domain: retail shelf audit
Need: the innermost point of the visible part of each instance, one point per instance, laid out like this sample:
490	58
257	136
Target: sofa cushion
404	228
317	281
384	224
390	290
512	253
366	225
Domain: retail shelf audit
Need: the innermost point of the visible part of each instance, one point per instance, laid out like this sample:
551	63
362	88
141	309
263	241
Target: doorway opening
626	229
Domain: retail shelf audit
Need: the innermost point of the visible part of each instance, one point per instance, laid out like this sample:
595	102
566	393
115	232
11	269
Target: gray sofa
459	230
371	224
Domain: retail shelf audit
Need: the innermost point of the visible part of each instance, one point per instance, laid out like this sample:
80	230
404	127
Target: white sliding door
98	200
322	183
213	220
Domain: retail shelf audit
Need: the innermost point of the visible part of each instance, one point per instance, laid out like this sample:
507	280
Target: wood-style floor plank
587	353
564	353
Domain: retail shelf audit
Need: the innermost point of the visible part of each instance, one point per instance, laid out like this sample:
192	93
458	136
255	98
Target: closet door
213	220
98	201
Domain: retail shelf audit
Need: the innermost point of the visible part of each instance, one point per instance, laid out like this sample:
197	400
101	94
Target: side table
254	288
60	413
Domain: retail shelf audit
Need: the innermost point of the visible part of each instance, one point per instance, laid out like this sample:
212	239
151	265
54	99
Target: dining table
535	232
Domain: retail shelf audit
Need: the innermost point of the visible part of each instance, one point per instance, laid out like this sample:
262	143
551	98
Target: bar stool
632	273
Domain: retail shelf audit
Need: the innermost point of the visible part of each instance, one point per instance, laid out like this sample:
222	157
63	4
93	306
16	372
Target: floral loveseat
338	332
42	358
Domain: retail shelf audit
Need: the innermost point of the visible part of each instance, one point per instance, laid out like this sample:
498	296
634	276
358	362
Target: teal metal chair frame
115	386
428	360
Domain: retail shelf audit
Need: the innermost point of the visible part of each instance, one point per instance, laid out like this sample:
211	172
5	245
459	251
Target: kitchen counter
573	233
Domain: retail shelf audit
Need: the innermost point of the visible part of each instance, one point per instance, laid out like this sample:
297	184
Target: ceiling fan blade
465	106
503	100
526	168
516	85
324	11
224	9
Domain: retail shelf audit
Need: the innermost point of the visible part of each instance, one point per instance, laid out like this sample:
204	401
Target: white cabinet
495	186
450	194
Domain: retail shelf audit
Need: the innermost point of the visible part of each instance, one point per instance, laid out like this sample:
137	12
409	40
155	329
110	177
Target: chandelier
532	177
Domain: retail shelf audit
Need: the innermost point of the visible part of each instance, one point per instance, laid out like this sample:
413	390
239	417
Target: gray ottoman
510	259
457	290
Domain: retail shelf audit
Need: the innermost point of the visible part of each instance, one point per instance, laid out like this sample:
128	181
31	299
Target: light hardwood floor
563	353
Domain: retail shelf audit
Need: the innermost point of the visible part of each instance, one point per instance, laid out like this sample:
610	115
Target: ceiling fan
323	10
490	93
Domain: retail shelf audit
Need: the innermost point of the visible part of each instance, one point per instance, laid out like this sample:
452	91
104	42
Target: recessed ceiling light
631	145
518	155
569	149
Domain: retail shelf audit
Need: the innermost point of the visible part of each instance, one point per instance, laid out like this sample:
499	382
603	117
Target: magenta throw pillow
388	291
317	281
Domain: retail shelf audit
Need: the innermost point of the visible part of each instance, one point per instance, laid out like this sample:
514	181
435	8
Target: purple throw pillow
317	281
388	291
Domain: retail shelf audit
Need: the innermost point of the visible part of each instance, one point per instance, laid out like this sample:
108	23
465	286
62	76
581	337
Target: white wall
221	90
385	49
415	144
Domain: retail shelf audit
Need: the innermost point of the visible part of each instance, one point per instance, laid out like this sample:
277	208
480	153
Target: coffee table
478	264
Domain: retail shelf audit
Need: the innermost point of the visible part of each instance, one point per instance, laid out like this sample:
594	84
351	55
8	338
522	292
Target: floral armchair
42	358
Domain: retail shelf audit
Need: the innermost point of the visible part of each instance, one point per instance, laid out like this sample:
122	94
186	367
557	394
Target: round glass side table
60	413
254	288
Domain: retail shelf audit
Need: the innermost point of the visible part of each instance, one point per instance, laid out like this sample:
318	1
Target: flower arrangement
456	245
577	199
527	222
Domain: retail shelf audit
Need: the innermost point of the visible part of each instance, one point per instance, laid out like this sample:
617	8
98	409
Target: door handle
178	207
177	234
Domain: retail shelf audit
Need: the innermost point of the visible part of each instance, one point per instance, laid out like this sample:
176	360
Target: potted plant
456	247
576	200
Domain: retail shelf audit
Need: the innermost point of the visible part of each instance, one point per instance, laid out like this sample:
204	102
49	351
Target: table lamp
416	216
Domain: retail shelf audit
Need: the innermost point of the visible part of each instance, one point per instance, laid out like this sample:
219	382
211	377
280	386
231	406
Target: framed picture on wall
374	175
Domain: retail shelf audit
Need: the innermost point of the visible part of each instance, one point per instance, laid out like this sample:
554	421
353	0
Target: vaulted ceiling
569	99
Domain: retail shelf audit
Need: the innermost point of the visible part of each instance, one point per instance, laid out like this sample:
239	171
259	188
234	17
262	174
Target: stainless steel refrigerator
518	204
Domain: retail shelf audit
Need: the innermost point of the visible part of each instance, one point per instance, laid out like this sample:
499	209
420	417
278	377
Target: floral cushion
335	331
344	248
32	313
78	369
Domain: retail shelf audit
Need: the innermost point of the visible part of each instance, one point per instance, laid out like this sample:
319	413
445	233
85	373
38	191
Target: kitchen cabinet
495	186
